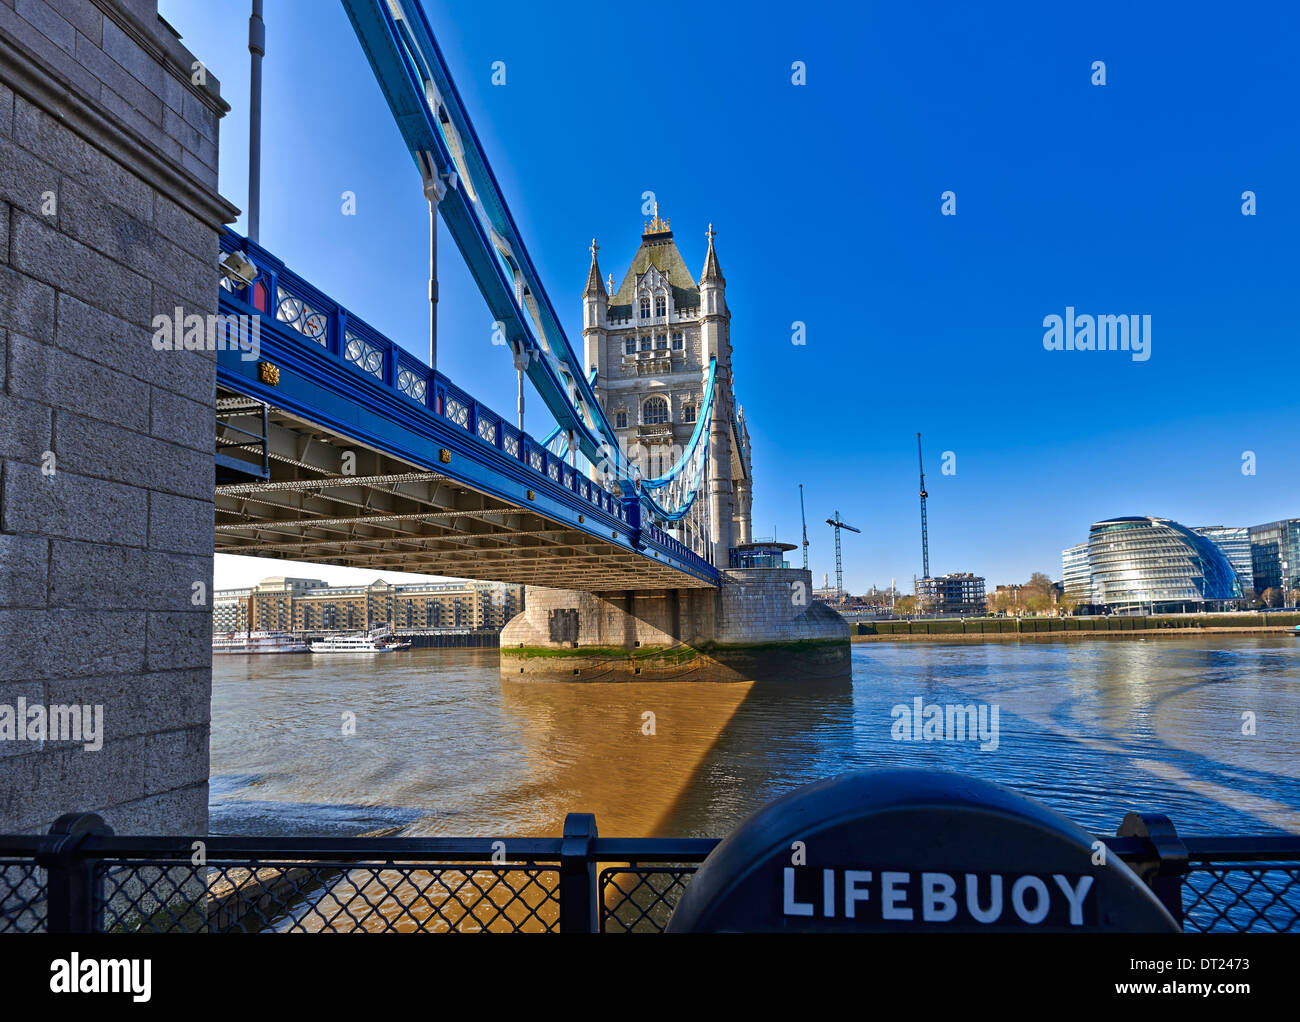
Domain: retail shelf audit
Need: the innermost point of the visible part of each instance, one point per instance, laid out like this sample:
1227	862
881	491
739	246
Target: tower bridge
336	445
614	542
332	443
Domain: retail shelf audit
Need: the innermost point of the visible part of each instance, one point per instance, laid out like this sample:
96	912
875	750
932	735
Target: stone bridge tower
650	343
109	218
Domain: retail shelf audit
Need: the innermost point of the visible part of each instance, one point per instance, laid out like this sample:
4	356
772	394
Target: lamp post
256	51
435	188
520	354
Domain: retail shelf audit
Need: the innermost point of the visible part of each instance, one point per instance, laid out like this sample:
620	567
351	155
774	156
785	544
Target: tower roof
658	250
595	289
712	271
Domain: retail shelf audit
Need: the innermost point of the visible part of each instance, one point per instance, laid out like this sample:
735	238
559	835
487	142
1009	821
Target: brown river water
441	745
444	746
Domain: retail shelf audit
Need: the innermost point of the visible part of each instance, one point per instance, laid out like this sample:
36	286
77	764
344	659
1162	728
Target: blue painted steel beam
554	434
319	384
427	107
417	84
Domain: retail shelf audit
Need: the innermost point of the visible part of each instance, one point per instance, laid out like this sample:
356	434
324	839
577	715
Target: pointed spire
595	289
712	271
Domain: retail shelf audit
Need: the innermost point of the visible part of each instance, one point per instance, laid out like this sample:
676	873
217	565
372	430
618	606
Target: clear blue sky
1122	198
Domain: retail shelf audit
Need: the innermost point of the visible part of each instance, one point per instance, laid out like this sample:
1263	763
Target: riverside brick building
305	605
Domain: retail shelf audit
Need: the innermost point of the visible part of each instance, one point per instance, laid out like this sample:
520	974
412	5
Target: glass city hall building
1154	565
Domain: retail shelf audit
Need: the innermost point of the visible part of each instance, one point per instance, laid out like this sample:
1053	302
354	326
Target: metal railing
293	310
82	878
252	457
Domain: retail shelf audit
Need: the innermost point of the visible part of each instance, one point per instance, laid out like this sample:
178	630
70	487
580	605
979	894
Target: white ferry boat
256	642
377	640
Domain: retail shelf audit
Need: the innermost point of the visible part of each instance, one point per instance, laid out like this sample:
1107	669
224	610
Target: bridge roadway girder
333	500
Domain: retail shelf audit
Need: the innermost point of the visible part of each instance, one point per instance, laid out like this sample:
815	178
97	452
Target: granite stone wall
759	624
109	215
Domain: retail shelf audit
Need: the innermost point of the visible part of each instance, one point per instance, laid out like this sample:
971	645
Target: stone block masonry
109	212
759	625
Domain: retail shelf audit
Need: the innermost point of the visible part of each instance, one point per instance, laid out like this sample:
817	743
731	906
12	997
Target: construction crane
925	536
803	518
837	525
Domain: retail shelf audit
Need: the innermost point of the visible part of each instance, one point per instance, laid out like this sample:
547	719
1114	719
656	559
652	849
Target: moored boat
378	640
224	643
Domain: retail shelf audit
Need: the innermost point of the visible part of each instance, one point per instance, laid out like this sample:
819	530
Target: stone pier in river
760	624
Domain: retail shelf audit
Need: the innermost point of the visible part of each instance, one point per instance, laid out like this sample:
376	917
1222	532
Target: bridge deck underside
330	500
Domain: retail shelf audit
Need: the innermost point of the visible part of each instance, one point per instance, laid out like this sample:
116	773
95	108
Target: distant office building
309	605
1275	555
956	593
1154	565
1076	573
1234	541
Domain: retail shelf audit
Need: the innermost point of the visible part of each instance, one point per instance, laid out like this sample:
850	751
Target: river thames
442	745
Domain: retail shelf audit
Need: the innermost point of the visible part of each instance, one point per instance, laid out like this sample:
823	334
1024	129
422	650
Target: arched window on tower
661	305
654	412
645	306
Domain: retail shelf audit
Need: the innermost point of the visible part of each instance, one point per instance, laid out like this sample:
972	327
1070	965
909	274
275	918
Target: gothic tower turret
595	305
715	342
650	340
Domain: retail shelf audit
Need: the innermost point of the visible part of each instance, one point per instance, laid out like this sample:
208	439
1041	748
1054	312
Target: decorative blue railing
294	303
